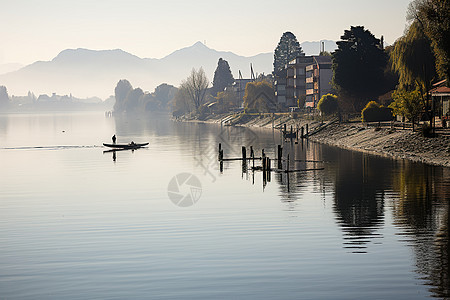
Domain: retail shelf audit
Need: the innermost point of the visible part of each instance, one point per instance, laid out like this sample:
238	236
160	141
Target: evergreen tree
222	77
288	49
358	67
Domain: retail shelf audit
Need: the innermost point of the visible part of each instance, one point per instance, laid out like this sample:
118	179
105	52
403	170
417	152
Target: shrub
328	104
374	112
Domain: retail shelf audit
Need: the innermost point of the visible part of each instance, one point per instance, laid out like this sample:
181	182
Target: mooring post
284	131
287	164
302	131
306	129
264	166
268	164
280	154
252	155
244	153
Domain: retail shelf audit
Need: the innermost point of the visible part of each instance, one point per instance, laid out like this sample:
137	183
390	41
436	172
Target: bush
374	112
328	104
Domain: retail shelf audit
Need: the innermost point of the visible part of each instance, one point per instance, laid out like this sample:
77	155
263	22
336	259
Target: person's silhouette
114	139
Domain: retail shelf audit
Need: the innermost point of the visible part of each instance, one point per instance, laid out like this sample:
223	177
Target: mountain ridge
86	72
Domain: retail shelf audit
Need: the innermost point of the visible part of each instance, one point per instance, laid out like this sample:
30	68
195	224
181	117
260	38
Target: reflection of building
305	78
318	78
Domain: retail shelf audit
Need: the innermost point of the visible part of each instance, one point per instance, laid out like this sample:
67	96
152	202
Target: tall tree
4	97
288	49
358	67
434	17
195	87
222	77
121	91
413	59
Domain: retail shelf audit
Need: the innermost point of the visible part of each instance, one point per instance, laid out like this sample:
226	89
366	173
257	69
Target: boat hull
125	146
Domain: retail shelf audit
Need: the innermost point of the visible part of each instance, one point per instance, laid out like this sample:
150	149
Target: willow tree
287	49
433	16
413	59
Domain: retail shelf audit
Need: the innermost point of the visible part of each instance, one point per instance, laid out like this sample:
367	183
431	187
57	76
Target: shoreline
385	141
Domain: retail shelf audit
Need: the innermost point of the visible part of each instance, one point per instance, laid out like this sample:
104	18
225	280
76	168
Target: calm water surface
78	223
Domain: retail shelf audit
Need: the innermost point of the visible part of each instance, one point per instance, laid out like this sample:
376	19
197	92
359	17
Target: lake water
78	223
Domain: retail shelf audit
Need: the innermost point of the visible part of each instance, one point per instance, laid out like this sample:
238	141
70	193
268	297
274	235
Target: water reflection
362	188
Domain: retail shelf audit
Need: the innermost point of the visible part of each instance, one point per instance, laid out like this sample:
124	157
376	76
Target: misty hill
86	73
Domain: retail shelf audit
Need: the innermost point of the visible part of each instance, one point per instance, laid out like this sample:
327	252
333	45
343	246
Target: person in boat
114	139
132	144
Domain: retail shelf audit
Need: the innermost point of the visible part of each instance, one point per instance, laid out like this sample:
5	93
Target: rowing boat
125	146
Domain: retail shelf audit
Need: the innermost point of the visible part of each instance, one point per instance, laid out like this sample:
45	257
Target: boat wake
63	147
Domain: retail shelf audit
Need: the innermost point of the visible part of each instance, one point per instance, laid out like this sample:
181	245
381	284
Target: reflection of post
114	156
252	155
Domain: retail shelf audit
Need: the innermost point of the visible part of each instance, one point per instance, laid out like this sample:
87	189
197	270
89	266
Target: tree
288	49
259	97
433	16
222	77
163	94
408	104
413	59
133	100
358	67
227	100
181	103
121	91
195	87
328	104
4	97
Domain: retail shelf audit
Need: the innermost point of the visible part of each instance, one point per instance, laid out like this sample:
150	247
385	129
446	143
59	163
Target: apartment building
318	80
306	78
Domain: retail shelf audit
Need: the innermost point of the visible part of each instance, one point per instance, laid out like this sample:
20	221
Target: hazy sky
39	29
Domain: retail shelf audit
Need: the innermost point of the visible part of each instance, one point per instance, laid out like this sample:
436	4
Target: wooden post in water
306	129
302	134
280	155
287	164
244	153
252	155
220	152
284	128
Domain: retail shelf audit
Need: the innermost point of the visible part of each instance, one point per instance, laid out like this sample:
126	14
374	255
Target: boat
131	145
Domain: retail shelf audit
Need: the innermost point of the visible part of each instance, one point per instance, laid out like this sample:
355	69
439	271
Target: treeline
129	99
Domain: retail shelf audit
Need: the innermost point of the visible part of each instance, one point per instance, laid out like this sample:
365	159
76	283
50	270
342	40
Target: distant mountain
11	67
313	48
85	73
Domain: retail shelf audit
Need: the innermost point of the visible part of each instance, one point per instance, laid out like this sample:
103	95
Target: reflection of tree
422	210
359	196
